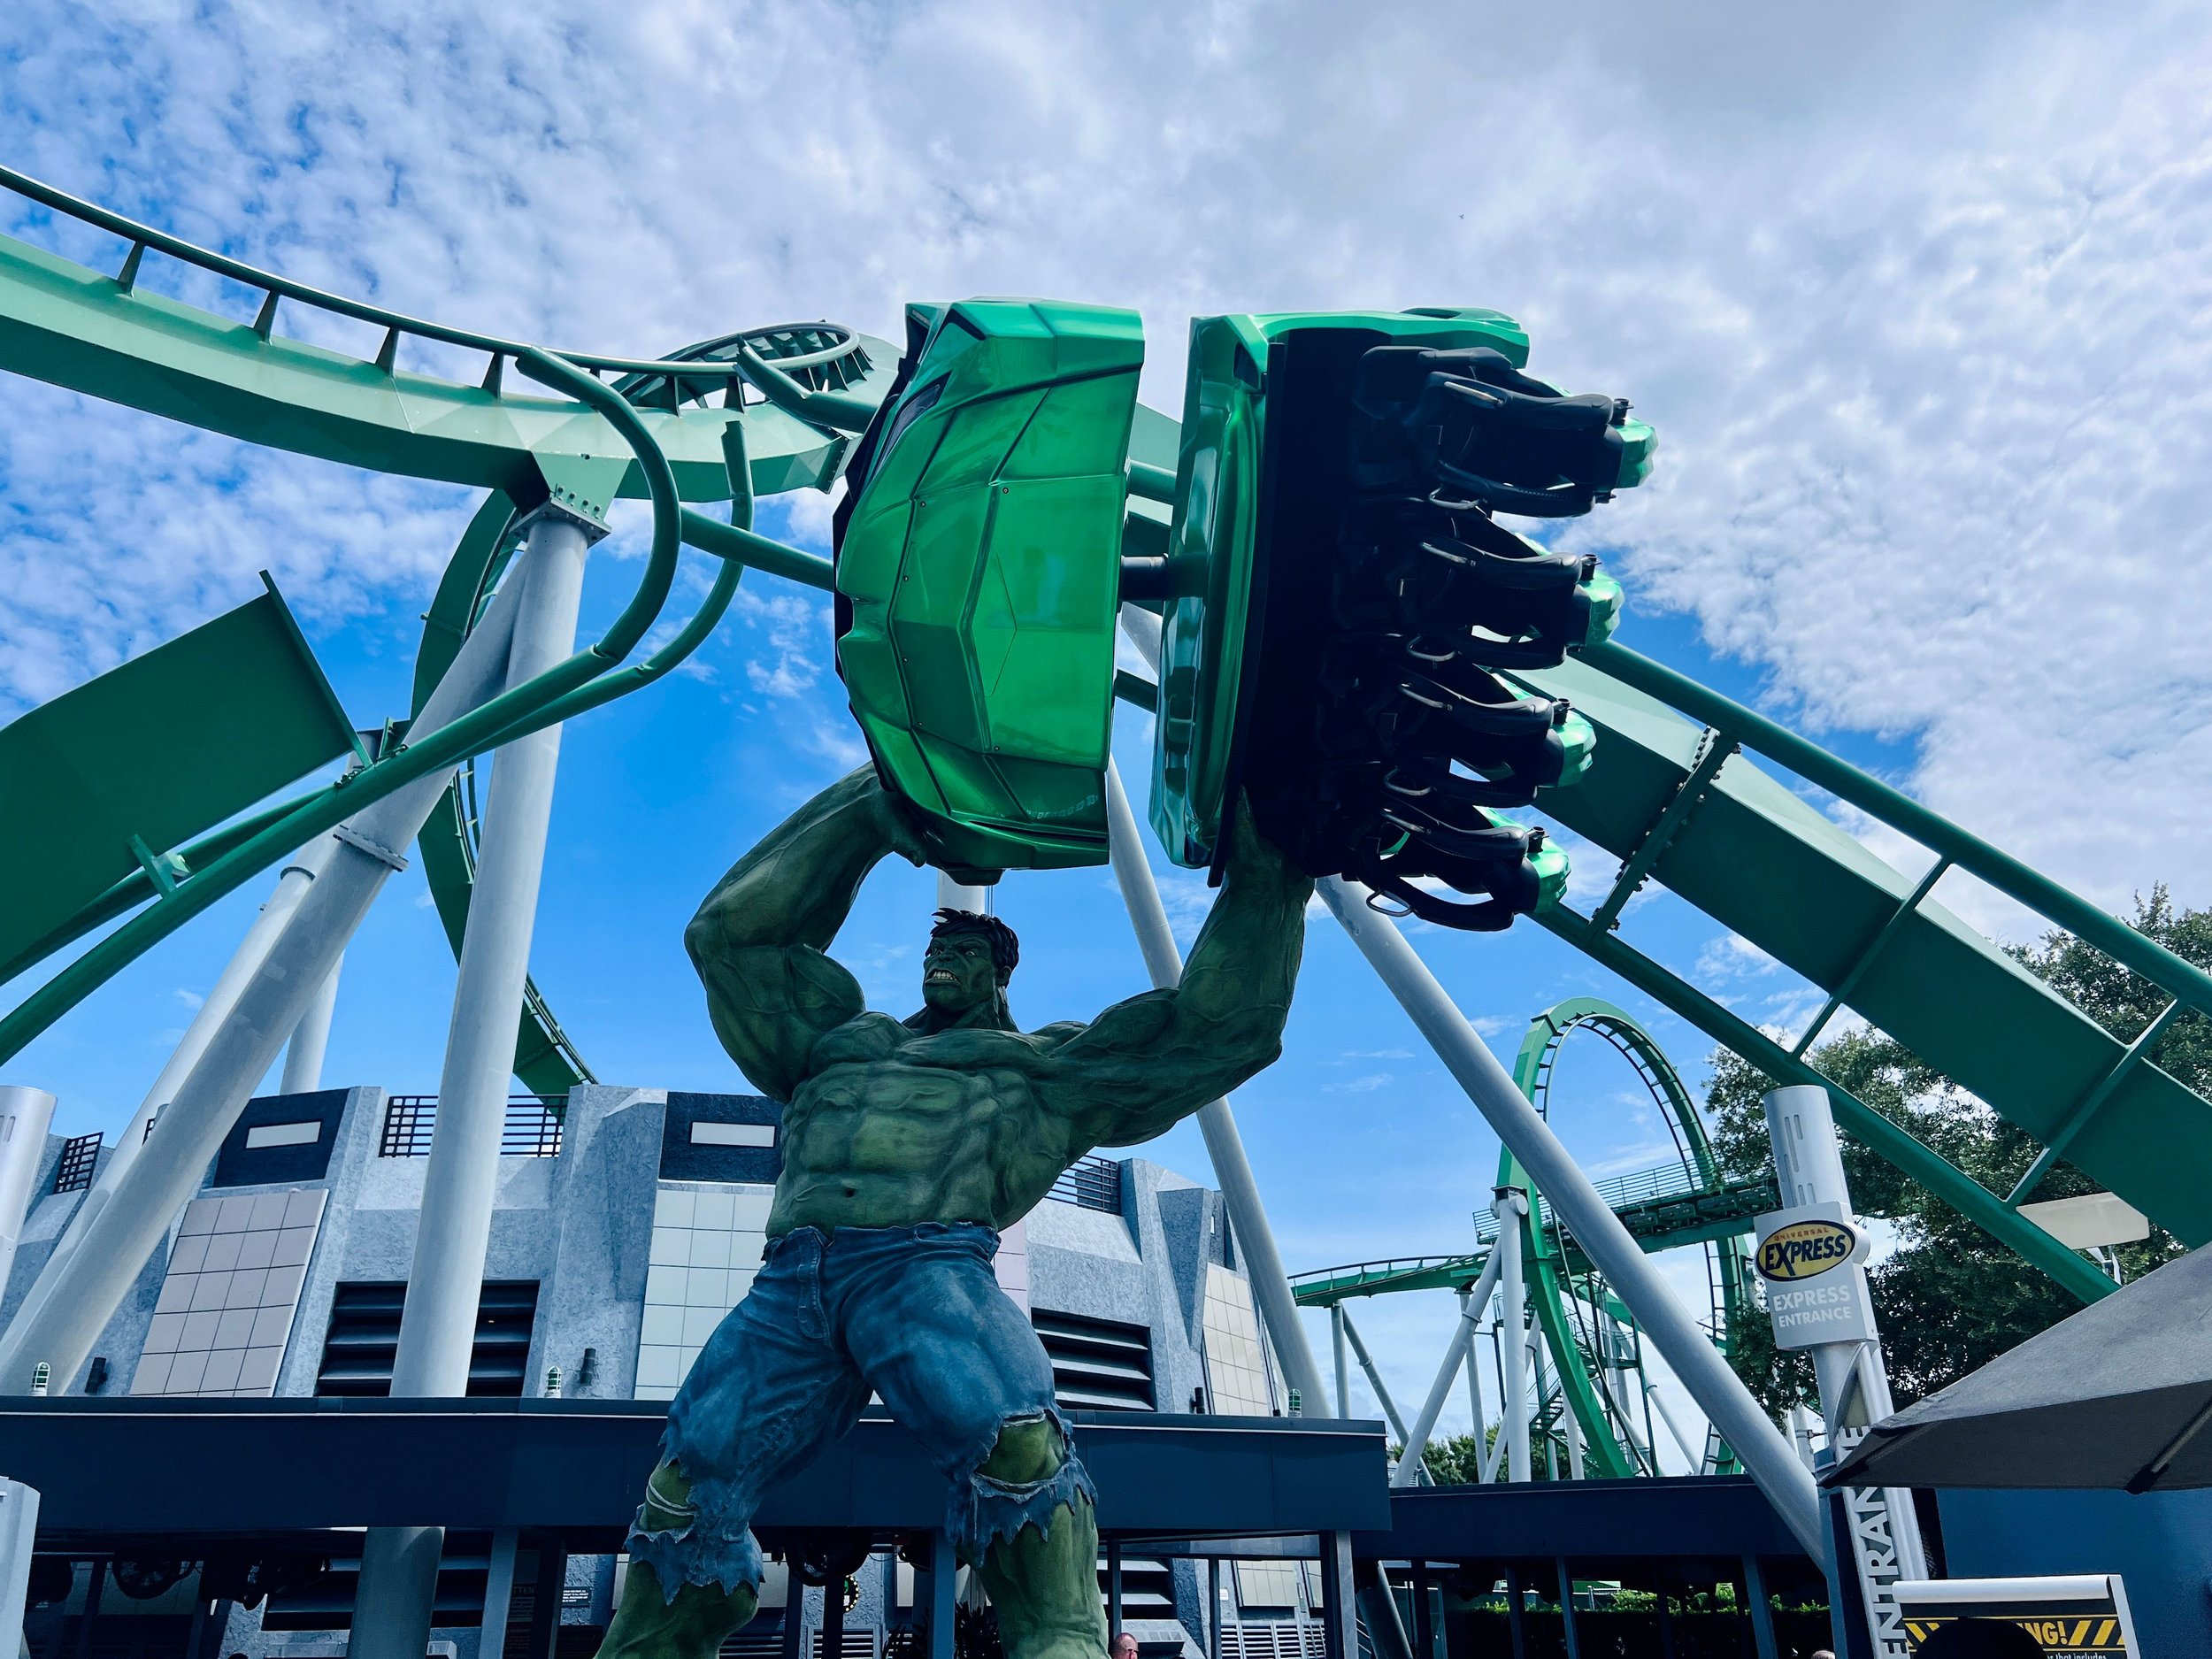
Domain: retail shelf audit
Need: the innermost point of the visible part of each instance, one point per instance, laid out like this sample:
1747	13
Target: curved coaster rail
104	336
1679	804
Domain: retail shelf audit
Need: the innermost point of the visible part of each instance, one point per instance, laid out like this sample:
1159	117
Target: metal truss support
1459	1351
399	1570
1687	1350
1240	1192
67	1309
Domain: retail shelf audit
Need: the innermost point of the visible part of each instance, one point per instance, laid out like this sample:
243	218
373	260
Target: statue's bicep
769	1005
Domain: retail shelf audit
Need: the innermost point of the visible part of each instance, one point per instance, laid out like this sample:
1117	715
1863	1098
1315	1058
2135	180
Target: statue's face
957	975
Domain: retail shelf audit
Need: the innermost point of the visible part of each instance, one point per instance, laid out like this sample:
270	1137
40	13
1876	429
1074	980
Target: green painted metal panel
1764	863
151	754
71	326
978	577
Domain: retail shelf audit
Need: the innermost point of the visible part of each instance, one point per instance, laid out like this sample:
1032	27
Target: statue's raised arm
1146	1064
760	938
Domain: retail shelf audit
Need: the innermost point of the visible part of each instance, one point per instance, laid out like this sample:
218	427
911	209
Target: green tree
1951	1298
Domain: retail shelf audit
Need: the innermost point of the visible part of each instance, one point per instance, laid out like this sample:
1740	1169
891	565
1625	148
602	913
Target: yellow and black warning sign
2077	1616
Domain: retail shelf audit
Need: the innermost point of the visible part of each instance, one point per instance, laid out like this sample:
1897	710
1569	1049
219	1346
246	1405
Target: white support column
1509	1205
1572	1429
1374	1379
18	1536
1853	1386
1477	1419
954	895
437	1328
293	882
25	1115
1343	1361
1459	1351
67	1309
499	1591
1240	1192
310	1038
1688	1351
1691	1459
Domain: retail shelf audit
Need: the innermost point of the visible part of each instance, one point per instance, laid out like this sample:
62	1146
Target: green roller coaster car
979	559
1337	591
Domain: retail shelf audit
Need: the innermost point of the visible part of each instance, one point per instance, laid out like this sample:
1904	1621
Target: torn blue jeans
914	1313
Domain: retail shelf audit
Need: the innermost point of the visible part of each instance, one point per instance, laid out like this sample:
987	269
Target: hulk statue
906	1144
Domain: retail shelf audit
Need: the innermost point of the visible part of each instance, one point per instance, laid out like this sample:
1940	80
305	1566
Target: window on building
1097	1365
364	1336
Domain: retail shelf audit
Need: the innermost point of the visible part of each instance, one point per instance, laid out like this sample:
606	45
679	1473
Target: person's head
970	959
1124	1647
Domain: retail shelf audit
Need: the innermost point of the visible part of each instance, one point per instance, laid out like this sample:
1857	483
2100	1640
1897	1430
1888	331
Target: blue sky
1916	298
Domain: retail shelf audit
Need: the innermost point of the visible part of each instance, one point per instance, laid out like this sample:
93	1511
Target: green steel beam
136	889
2067	910
1331	1286
1941	1176
560	694
1765	863
106	337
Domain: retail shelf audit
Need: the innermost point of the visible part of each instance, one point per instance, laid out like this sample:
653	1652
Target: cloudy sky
1916	295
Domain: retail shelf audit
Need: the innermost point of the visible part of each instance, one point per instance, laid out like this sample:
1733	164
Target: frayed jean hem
682	1555
984	1511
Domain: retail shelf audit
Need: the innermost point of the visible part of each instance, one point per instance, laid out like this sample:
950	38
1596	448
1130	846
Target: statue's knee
1028	1450
667	1500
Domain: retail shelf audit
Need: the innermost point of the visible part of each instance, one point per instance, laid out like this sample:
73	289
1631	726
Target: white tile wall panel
230	1293
707	1244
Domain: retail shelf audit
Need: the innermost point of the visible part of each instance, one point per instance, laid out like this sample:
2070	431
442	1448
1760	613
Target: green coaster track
1689	1201
1671	789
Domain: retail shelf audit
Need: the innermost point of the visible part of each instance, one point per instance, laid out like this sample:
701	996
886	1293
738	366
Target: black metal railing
532	1129
80	1157
1090	1184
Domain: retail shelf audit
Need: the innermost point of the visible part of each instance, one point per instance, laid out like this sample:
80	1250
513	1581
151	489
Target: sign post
1810	1259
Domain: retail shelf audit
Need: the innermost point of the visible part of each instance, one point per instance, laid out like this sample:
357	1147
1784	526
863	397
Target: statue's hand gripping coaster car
1336	594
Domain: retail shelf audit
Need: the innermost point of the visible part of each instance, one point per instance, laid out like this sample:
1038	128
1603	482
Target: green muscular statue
906	1143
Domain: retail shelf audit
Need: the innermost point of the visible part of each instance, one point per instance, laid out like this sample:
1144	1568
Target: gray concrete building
629	1221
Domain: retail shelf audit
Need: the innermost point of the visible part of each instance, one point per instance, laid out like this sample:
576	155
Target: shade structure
2119	1395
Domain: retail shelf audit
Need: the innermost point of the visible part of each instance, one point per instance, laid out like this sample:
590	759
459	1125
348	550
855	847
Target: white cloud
1916	304
1915	297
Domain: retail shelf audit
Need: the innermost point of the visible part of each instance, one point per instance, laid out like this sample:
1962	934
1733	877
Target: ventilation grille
364	1336
1097	1365
1147	1588
1276	1638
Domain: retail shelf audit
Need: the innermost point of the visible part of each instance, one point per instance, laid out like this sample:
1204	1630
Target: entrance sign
1810	1259
2079	1617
